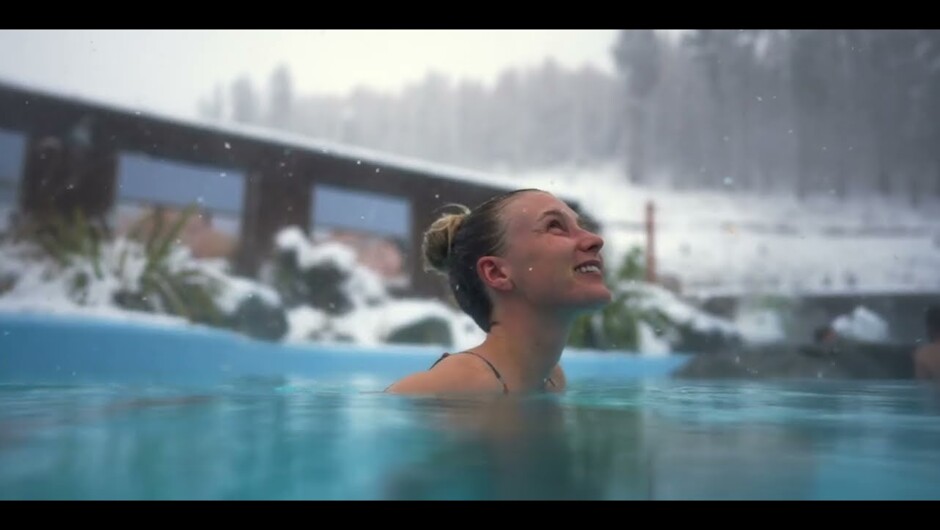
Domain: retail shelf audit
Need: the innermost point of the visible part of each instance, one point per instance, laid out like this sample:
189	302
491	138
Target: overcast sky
169	70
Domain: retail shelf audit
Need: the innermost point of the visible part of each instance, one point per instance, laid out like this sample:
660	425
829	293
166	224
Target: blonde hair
453	244
439	240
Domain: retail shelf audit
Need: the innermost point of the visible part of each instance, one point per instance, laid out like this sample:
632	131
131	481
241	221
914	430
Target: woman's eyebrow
547	213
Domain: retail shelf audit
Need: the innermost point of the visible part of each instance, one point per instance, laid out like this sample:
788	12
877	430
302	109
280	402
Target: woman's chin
603	300
598	298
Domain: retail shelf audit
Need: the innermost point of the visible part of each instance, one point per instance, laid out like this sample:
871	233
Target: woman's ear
495	273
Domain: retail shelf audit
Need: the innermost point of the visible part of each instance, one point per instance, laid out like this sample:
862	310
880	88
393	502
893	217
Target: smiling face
550	259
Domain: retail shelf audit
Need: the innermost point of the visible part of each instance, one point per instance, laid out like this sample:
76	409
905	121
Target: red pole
650	242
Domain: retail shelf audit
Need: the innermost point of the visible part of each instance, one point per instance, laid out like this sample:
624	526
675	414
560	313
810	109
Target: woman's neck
525	347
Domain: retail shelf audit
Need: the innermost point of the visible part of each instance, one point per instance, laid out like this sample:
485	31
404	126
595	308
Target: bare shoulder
558	377
454	374
417	383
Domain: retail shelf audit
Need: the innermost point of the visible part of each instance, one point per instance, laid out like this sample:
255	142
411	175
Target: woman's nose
591	242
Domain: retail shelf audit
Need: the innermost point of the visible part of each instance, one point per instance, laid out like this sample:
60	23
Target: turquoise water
644	438
104	410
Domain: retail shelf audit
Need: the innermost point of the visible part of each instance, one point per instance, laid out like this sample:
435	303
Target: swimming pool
116	411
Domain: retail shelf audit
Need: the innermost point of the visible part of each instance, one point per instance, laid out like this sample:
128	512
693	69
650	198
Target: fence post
650	242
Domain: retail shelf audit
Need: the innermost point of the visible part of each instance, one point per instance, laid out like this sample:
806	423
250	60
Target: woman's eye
555	224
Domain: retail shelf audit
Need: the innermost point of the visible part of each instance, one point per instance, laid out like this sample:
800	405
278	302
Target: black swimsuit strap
488	363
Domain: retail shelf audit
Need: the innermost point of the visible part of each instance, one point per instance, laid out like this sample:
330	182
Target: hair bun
439	239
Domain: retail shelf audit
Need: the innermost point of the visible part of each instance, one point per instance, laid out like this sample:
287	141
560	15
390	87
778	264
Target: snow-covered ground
729	242
738	242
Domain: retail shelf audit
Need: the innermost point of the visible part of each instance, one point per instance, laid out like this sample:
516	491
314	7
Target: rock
844	360
256	318
318	286
429	330
704	341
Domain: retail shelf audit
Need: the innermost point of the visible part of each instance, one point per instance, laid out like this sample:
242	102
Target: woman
523	266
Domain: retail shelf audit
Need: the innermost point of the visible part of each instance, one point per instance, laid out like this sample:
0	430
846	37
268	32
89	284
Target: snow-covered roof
230	130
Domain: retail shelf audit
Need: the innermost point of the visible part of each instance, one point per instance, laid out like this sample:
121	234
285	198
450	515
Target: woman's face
550	258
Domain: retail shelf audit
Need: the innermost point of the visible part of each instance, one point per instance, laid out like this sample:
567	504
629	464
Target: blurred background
755	188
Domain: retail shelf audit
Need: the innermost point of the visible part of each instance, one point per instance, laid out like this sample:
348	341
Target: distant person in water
523	265
927	357
825	335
